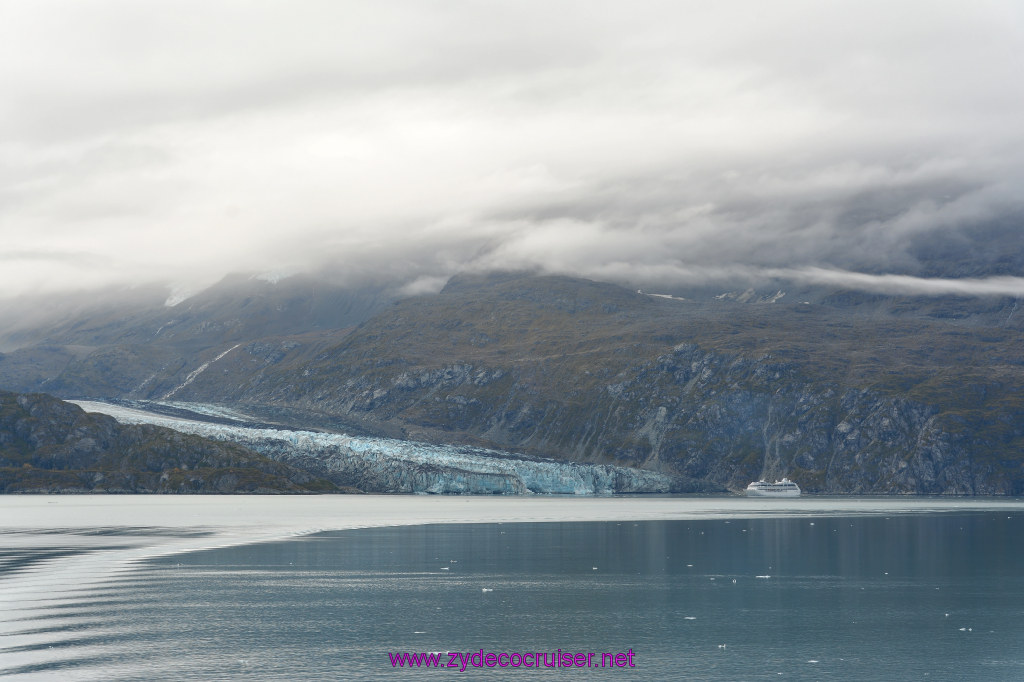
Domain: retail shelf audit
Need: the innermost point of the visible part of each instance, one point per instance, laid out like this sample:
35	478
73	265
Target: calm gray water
937	596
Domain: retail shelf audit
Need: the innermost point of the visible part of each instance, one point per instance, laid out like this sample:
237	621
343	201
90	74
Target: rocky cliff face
596	374
47	445
723	419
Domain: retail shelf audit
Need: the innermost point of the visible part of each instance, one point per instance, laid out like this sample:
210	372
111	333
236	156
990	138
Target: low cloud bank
410	141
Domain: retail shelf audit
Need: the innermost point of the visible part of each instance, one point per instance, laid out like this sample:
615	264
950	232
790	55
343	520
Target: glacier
387	465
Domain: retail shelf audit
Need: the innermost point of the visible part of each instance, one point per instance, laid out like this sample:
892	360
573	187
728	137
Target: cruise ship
783	488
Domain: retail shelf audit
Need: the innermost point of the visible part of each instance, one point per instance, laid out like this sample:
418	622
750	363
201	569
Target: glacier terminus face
397	466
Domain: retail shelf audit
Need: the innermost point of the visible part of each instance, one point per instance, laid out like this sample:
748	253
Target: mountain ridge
843	392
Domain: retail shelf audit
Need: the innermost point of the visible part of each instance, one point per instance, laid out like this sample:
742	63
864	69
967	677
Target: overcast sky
643	141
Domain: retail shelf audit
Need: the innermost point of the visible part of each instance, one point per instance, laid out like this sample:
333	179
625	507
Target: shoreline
169	524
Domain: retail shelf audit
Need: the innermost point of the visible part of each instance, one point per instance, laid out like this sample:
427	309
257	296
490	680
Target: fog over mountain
858	145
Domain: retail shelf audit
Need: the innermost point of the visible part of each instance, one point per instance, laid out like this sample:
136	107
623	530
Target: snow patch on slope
196	372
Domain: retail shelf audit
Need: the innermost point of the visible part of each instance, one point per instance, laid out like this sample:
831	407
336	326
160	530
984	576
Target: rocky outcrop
48	445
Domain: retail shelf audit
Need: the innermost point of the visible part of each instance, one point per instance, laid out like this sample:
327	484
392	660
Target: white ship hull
783	488
772	493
